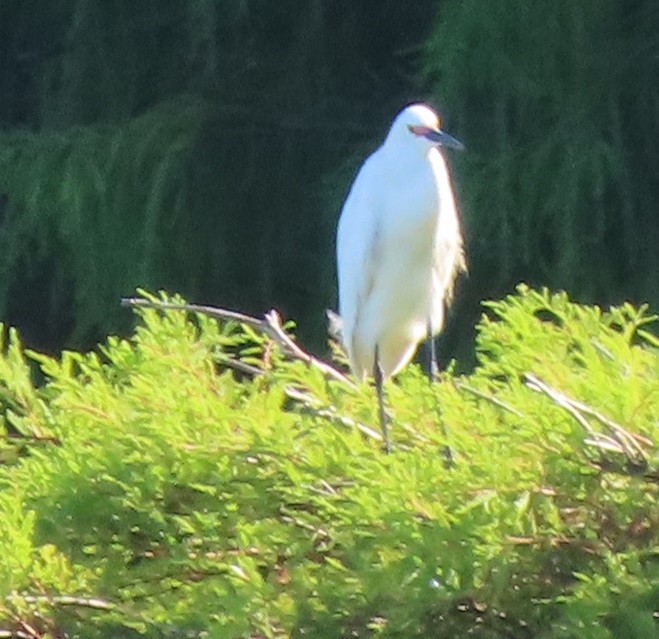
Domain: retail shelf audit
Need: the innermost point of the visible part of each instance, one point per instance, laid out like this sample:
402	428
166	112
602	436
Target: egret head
418	126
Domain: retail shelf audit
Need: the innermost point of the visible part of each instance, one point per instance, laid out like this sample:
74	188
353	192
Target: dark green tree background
206	146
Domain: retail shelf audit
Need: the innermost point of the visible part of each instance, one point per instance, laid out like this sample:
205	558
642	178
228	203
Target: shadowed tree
206	147
556	103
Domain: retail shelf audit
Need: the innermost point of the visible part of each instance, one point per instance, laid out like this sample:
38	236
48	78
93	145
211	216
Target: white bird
399	249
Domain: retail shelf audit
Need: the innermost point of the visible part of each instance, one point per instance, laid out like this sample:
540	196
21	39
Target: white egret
399	249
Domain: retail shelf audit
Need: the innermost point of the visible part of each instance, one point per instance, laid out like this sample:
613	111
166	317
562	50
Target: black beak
444	139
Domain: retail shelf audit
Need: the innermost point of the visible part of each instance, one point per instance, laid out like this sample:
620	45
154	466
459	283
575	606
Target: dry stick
489	398
633	438
67	600
57	600
289	516
622	440
273	320
328	413
270	325
598	439
311	403
273	328
241	367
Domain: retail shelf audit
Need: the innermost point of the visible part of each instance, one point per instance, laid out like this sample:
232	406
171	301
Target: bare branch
241	367
329	413
621	440
211	311
68	600
489	398
271	325
273	320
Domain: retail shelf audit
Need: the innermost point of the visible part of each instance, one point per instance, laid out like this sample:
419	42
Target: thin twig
271	325
68	600
535	384
273	320
311	403
28	631
329	413
212	311
241	367
489	398
288	516
634	439
621	441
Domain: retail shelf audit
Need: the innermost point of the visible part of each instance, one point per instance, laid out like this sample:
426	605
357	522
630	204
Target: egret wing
356	246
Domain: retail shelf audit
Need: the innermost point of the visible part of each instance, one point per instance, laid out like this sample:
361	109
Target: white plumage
399	245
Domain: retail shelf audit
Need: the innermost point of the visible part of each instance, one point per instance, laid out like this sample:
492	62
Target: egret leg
433	376
378	375
433	368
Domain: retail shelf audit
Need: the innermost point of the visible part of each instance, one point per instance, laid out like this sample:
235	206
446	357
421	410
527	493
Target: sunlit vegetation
157	488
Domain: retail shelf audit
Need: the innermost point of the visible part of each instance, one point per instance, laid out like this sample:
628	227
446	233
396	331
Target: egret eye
417	129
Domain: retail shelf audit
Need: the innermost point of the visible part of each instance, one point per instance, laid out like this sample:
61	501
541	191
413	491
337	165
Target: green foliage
110	179
555	182
100	210
154	493
221	195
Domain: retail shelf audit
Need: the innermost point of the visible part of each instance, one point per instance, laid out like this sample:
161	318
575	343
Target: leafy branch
270	325
620	440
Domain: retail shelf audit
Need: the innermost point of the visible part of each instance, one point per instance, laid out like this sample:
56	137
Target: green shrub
150	489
